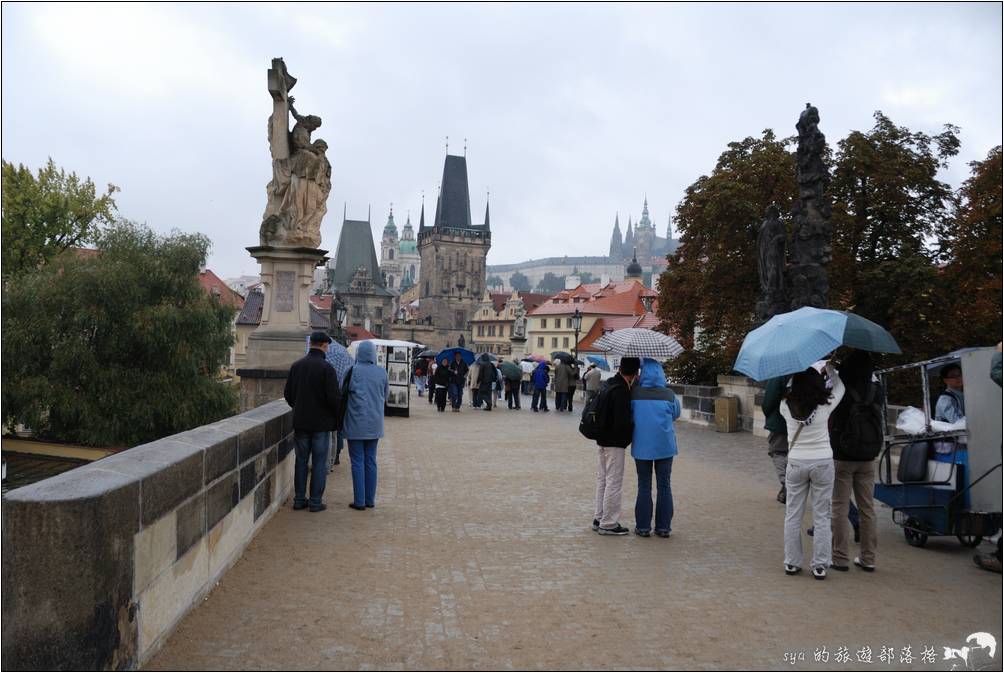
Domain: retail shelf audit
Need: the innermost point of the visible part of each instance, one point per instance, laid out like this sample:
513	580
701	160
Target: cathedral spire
669	228
486	225
421	217
616	242
628	239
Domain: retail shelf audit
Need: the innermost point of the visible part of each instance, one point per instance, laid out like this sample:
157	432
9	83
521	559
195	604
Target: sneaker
616	530
642	533
864	566
819	573
810	531
791	570
839	568
319	508
782	495
357	507
663	533
596	524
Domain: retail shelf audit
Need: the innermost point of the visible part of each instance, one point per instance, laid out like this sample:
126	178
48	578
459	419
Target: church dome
408	246
633	269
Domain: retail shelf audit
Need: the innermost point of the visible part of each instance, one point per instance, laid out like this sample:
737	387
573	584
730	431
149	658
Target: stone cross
279	84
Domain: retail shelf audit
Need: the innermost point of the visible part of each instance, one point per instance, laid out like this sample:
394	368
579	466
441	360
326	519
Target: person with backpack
540	379
654	407
806	408
367	394
610	413
857	434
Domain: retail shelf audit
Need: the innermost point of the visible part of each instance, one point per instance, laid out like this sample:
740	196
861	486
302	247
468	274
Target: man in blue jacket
618	429
312	390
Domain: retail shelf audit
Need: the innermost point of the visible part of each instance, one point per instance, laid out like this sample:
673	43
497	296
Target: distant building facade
492	325
400	263
452	252
356	278
640	239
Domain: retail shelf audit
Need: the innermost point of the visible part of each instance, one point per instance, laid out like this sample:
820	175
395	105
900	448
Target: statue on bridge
301	173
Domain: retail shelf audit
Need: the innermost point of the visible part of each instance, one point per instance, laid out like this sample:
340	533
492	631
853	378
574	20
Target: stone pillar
281	338
518	348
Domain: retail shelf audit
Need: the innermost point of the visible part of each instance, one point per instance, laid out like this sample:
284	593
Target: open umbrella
790	342
427	354
563	356
492	357
466	355
528	366
535	358
600	362
636	342
511	371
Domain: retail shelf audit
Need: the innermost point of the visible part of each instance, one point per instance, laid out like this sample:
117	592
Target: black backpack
863	433
594	415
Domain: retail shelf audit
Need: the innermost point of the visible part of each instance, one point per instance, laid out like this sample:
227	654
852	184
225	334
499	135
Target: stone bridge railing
101	563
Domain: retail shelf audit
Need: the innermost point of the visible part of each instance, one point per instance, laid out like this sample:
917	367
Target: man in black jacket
313	392
618	428
458	379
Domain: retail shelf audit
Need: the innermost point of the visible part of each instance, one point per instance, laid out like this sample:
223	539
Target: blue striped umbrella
790	342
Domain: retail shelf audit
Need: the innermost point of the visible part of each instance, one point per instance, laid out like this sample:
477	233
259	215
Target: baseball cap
320	337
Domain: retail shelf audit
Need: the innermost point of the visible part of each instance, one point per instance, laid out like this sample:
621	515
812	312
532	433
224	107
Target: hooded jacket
593	378
540	377
654	407
312	390
486	374
367	396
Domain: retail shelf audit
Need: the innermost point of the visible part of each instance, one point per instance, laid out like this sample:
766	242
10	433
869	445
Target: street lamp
339	313
577	326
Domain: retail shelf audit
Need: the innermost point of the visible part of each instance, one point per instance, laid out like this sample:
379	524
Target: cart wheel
914	537
971	541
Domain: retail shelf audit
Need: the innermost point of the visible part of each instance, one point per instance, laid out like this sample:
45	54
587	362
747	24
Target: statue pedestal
518	348
286	277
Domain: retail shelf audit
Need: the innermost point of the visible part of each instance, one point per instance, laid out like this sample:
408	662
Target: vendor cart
947	483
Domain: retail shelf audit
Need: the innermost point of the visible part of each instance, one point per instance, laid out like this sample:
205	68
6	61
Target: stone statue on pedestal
811	248
771	243
301	173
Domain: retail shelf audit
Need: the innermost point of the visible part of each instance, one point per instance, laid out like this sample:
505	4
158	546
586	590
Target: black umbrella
563	356
427	354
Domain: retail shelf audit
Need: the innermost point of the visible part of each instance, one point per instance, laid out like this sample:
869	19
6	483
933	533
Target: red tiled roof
212	284
498	300
612	299
321	301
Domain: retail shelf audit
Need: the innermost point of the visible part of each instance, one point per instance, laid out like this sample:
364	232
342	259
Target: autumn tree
711	284
970	248
46	214
888	204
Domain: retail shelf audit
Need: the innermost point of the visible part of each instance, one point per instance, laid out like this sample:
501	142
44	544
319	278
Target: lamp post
577	326
338	312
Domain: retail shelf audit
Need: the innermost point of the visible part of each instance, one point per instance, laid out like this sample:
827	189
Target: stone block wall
697	403
102	562
746	390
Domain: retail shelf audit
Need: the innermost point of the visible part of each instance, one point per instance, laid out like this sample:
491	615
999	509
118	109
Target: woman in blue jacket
364	423
654	407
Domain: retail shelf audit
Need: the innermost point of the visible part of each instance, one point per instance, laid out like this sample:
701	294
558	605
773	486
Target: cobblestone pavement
479	556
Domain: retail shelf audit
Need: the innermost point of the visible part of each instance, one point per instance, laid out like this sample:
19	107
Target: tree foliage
711	283
45	215
519	281
118	348
551	284
494	282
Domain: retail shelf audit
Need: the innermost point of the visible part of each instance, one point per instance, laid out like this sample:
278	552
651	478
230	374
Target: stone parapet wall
697	403
746	390
101	563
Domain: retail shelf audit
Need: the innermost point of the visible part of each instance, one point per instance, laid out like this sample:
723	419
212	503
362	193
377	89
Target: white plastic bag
911	421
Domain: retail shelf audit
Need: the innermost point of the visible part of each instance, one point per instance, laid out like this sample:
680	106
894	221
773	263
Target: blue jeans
456	392
541	395
362	453
311	450
664	502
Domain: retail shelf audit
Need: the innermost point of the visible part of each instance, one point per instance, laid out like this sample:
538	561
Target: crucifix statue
301	173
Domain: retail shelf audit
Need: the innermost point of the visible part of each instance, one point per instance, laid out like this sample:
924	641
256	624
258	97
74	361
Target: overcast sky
572	112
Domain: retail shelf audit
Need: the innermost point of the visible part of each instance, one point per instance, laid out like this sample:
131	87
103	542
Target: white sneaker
864	566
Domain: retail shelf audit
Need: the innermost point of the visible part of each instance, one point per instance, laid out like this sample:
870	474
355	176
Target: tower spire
487	200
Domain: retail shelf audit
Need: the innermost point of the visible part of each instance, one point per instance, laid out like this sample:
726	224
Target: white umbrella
634	342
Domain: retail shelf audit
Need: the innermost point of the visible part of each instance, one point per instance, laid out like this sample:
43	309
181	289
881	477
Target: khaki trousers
857	476
609	479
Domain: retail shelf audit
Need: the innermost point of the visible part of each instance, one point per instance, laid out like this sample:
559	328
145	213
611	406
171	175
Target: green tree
45	215
518	281
887	205
970	248
711	284
585	277
119	348
551	284
494	281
